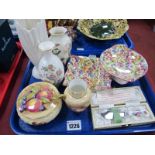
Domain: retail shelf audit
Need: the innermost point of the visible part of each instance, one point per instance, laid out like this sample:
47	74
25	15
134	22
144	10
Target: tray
5	78
83	45
58	126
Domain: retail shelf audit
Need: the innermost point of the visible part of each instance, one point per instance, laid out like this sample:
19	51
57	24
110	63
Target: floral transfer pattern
52	73
124	63
88	69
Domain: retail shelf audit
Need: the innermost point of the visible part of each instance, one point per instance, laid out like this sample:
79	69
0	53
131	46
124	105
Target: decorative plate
103	29
88	69
38	103
124	63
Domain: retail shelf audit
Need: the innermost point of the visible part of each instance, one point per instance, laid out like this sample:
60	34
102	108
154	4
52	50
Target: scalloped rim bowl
124	64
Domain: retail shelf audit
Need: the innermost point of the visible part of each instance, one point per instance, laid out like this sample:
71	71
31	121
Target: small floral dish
124	64
39	103
88	69
103	29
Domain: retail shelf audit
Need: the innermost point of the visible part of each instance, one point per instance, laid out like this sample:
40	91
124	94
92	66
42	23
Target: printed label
74	125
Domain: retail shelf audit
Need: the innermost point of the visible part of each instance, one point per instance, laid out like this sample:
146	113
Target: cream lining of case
124	103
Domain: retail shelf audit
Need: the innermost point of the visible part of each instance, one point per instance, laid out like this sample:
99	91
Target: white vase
50	68
31	32
63	43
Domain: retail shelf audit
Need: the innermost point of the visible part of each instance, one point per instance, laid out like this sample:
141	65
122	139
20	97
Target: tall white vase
31	32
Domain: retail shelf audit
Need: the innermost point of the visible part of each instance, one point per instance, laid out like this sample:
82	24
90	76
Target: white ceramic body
50	68
31	32
63	43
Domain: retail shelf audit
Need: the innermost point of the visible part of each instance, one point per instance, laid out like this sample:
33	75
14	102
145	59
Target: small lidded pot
77	95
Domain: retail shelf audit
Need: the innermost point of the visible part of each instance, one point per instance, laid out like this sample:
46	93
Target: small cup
77	88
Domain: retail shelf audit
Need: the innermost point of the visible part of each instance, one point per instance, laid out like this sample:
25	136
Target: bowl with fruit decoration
39	103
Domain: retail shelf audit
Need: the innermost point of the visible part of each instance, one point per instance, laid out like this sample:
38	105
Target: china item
103	29
63	43
31	32
124	64
90	69
38	103
50	67
77	95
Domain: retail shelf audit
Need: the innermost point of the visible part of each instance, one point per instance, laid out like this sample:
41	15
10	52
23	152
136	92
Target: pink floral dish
124	64
88	69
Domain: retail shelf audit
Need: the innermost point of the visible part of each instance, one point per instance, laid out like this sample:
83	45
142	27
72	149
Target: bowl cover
36	104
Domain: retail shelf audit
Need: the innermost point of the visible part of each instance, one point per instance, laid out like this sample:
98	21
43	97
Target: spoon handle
60	96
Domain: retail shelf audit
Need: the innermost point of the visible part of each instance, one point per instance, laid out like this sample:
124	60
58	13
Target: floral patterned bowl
124	64
105	29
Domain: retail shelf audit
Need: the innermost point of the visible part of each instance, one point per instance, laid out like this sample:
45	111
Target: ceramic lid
37	101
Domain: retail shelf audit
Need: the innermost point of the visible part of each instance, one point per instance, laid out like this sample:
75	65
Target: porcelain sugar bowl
50	67
77	95
63	43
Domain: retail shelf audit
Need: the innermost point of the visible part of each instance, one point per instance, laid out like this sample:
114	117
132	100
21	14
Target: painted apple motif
34	105
44	94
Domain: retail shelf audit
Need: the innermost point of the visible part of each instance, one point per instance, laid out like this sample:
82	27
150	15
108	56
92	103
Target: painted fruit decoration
34	105
46	93
35	100
38	103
